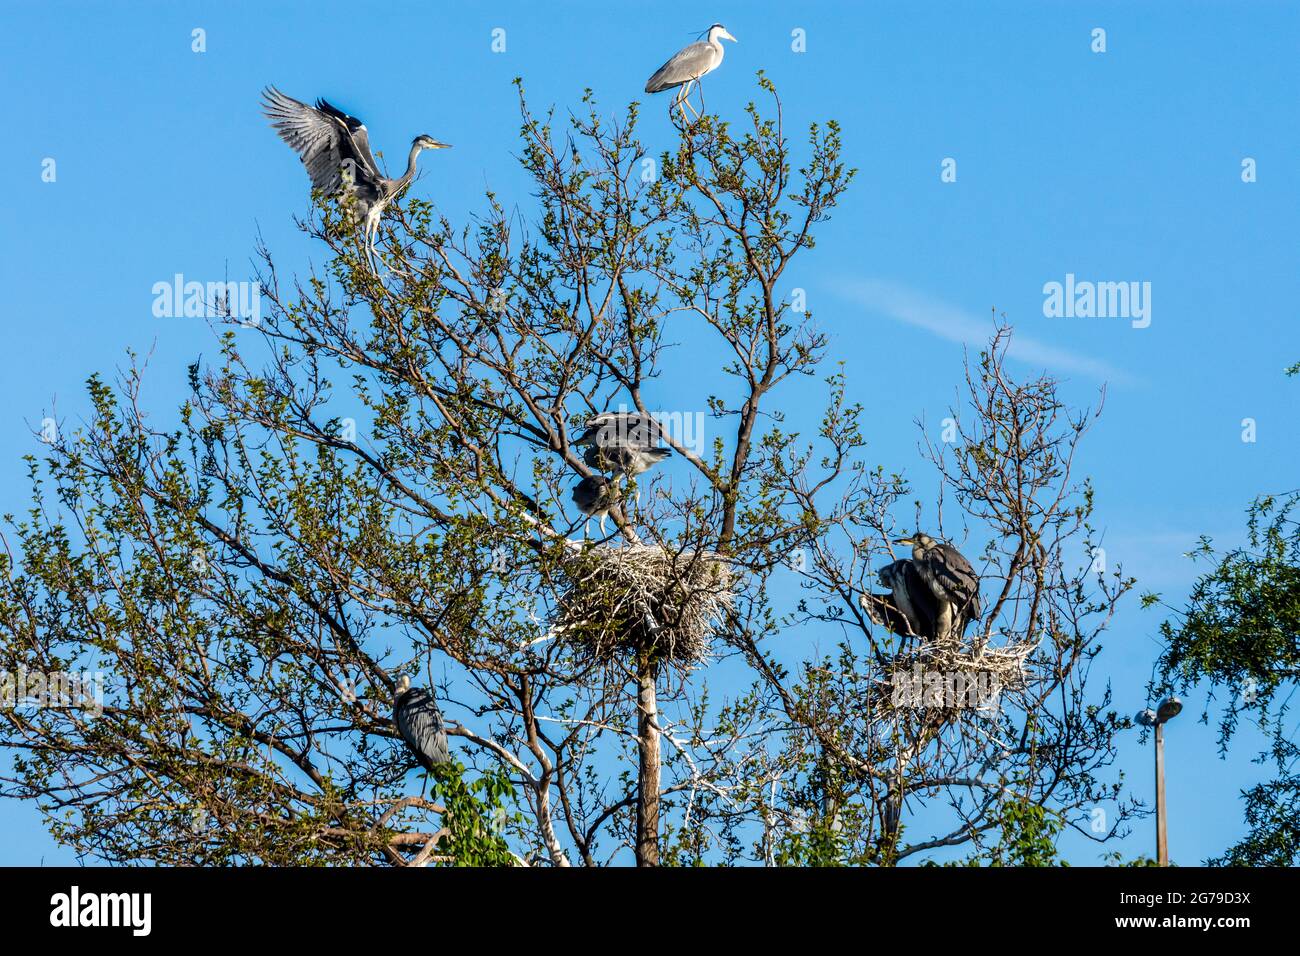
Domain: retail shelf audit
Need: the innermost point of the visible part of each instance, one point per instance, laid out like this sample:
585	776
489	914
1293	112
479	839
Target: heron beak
902	541
727	36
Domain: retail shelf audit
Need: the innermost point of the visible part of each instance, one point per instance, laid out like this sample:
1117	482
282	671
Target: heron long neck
400	184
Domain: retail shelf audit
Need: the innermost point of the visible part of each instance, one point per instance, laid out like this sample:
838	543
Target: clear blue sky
1117	166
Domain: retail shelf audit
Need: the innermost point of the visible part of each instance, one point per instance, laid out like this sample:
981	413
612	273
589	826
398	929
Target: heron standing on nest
335	148
952	581
688	65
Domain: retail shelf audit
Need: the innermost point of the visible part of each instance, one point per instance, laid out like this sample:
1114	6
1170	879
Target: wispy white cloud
950	322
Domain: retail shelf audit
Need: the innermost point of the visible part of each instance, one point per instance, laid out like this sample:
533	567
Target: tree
1240	634
375	481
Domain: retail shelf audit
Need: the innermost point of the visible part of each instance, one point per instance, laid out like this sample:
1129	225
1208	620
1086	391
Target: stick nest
969	674
644	598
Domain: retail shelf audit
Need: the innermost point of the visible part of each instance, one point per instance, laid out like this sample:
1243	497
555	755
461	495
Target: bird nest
643	598
954	677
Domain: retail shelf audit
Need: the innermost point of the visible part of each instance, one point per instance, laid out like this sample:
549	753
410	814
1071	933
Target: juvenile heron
594	496
916	606
420	723
688	65
951	579
335	148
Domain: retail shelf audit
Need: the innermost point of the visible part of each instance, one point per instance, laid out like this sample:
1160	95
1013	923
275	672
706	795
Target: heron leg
688	97
683	98
945	628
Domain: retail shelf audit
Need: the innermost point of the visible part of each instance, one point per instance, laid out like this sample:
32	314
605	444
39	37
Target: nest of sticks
643	598
952	676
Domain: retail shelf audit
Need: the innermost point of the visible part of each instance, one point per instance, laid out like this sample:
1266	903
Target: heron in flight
951	580
686	67
335	148
420	723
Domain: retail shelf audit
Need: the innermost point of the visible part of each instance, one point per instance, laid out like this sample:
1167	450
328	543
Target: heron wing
956	576
686	64
420	723
610	429
924	604
322	141
358	133
882	610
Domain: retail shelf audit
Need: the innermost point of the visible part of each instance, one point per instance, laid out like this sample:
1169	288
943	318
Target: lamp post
1169	708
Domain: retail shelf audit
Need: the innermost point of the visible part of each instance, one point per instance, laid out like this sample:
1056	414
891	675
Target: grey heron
594	496
614	428
622	444
686	67
419	721
916	608
625	460
952	581
335	148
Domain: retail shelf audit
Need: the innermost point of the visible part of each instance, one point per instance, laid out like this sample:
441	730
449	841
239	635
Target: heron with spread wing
335	148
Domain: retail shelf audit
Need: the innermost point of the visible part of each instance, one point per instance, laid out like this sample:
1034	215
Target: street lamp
1169	708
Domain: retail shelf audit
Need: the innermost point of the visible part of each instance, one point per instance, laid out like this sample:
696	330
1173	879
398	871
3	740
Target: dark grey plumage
335	148
950	578
622	444
916	606
594	496
620	428
419	721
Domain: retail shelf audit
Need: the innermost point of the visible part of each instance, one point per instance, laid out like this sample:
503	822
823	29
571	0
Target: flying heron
688	65
420	723
335	148
915	607
951	580
594	496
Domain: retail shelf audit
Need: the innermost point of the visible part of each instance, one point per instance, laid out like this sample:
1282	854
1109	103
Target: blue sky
1115	166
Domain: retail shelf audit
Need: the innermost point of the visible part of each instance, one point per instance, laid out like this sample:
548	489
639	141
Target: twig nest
952	679
644	599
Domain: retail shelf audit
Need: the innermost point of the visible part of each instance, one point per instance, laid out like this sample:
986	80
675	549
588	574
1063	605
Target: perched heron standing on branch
688	65
335	148
951	580
420	723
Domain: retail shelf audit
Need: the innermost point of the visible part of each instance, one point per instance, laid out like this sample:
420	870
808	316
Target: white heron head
403	685
428	142
719	32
